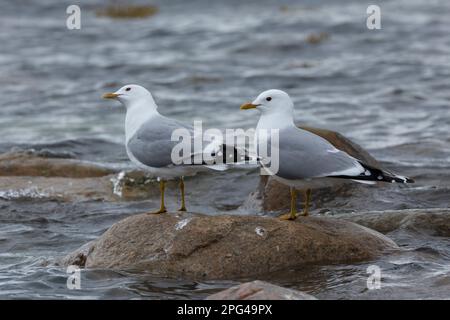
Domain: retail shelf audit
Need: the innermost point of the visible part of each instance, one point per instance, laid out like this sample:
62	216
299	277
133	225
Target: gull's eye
127	89
269	98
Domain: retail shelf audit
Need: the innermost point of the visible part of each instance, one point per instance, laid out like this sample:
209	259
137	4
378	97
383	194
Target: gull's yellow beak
246	106
110	95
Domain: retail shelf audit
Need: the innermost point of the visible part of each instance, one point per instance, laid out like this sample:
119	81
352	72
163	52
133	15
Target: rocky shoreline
215	246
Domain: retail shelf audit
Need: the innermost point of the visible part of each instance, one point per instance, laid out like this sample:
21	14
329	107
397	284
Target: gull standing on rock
149	142
306	160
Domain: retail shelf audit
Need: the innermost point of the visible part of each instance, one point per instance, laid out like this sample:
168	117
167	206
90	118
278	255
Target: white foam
182	223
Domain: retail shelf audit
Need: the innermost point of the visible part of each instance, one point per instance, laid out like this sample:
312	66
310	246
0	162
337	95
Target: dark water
388	90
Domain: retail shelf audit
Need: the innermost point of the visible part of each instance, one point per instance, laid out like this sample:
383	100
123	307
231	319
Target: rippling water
389	90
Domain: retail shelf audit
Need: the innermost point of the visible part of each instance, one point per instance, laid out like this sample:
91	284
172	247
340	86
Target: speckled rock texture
198	246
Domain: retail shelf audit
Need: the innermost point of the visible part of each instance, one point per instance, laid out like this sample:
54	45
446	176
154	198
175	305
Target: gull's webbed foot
288	216
161	210
304	213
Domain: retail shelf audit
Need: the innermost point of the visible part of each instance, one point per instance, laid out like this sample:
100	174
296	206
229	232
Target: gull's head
130	94
271	101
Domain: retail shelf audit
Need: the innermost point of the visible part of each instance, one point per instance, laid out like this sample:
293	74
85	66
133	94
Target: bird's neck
275	120
137	114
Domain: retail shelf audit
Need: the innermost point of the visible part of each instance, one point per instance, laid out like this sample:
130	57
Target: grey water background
388	90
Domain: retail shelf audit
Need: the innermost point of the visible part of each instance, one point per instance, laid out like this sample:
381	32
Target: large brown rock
271	195
259	290
228	247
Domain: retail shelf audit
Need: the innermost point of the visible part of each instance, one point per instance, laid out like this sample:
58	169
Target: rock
127	11
317	38
227	247
433	222
259	290
273	196
123	186
107	188
26	175
23	164
136	185
78	257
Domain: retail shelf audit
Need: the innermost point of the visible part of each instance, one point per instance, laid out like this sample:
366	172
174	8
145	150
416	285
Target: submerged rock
25	175
433	222
317	38
127	11
259	290
23	164
123	186
77	257
271	195
228	247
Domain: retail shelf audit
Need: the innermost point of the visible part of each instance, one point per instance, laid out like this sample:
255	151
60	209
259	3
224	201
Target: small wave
95	150
24	194
118	183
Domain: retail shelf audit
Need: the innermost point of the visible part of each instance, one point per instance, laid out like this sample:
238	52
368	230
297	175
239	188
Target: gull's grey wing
304	155
152	145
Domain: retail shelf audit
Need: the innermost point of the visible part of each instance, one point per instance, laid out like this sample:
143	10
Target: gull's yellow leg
162	207
307	197
183	204
292	215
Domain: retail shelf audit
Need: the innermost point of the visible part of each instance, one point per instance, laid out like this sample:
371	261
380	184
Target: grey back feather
303	155
151	144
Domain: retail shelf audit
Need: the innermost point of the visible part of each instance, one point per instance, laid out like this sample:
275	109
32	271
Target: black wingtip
375	174
409	180
399	179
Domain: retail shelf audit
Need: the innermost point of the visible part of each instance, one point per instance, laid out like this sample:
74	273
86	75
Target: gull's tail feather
374	174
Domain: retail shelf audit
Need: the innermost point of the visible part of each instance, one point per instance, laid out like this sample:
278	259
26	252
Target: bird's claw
161	210
304	214
288	216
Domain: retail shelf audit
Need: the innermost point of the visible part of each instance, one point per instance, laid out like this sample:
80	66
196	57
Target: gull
305	160
149	145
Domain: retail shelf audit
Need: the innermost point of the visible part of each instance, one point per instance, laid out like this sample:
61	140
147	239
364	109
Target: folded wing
304	155
152	146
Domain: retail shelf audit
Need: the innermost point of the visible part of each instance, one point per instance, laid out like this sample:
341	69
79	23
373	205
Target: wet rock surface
227	247
26	175
433	222
259	290
24	164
